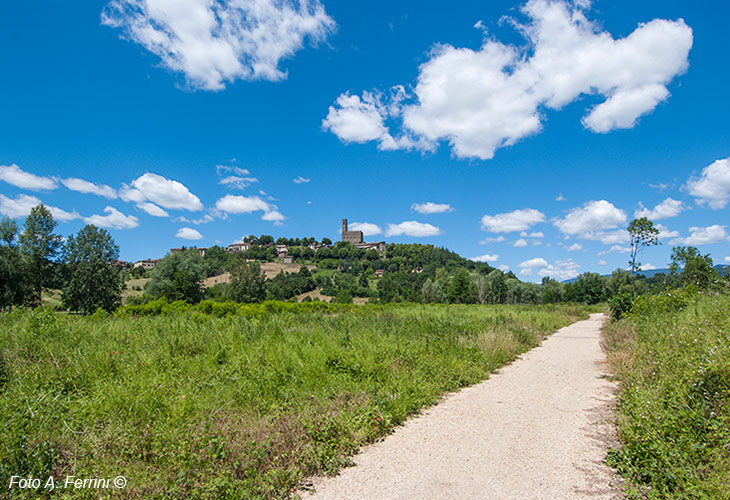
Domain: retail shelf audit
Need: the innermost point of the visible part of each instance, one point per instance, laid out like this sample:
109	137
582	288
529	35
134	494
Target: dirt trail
535	430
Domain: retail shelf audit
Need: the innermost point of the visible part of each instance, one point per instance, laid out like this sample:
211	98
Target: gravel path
535	430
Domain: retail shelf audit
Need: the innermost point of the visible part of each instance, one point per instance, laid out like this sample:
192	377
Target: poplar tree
93	282
40	245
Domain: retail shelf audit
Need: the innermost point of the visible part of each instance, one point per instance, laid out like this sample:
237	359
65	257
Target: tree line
83	268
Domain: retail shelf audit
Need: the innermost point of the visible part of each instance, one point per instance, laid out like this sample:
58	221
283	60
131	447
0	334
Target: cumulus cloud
615	249
152	209
562	270
486	258
162	192
20	207
114	219
412	228
83	186
607	237
518	220
534	263
273	216
520	243
593	217
217	42
241	204
665	210
301	180
713	185
535	234
602	263
703	236
432	208
665	232
13	174
504	268
574	247
727	259
188	233
482	100
367	228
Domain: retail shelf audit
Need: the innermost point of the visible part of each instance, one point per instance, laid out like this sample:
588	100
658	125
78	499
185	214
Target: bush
620	305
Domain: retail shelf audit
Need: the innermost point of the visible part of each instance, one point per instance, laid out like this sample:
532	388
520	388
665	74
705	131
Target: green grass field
673	360
190	405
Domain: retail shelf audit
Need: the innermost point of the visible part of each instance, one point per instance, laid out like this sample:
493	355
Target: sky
526	135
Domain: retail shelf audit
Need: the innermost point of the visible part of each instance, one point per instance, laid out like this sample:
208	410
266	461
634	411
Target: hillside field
238	404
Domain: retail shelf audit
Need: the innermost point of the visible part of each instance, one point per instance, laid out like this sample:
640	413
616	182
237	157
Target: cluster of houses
355	238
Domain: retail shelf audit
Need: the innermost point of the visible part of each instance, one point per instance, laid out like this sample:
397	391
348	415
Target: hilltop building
353	237
146	264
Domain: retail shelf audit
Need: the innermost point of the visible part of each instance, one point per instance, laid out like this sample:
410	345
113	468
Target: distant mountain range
721	269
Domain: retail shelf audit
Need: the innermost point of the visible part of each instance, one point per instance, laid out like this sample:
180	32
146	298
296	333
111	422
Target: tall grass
192	405
673	360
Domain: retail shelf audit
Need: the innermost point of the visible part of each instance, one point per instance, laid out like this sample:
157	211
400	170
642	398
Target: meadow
672	357
236	401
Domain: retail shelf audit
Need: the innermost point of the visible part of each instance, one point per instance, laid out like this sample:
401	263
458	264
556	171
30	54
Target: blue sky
526	134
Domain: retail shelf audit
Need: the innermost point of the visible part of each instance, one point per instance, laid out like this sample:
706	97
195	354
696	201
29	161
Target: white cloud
607	237
301	180
152	209
665	210
727	259
238	182
602	263
520	243
273	216
13	174
560	197
432	208
574	247
665	232
21	205
412	228
481	100
367	228
498	239
215	42
534	263
536	234
486	258
203	220
713	185
703	236
160	191
504	268
518	220
615	249
647	267
562	270
188	233
241	204
526	273
83	186
592	217
114	219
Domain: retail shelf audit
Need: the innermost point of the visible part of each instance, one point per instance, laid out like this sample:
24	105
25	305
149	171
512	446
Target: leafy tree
247	282
643	234
93	282
461	288
12	269
497	288
588	289
40	245
327	242
696	268
552	291
178	277
8	231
